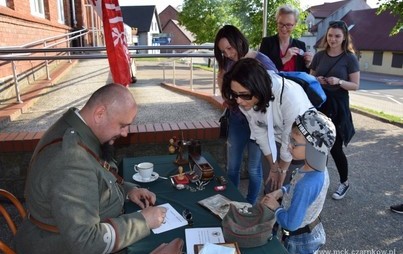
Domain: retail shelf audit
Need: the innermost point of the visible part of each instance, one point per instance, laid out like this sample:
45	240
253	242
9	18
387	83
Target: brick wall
138	134
18	27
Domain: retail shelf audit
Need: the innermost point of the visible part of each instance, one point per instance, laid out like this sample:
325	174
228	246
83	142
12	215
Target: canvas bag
249	227
311	86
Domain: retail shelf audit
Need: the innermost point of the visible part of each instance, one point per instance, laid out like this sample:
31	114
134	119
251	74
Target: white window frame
37	8
3	2
60	11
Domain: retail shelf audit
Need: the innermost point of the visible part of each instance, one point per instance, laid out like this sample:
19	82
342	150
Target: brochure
196	236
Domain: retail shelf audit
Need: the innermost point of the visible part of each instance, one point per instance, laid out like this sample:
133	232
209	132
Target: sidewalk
361	221
384	78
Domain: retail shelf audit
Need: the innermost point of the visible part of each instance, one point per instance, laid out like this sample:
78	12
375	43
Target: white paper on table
172	220
211	248
202	235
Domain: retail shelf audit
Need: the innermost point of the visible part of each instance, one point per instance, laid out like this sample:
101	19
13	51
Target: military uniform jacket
68	188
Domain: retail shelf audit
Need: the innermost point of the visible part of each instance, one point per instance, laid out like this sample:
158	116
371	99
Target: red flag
116	45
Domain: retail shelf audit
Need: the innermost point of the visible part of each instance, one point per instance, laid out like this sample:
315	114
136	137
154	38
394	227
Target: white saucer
138	178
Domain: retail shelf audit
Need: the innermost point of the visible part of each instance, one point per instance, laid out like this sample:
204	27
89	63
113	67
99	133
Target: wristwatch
340	82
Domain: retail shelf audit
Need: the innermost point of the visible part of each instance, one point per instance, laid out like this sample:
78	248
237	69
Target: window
37	8
397	60
60	11
377	60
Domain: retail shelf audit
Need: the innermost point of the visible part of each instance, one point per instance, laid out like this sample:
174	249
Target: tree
395	8
205	17
250	14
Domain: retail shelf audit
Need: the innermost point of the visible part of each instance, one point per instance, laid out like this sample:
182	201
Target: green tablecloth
182	199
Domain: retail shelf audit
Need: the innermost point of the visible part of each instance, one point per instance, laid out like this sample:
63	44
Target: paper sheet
172	220
202	235
211	248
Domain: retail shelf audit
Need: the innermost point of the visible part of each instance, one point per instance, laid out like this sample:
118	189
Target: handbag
224	123
173	247
249	227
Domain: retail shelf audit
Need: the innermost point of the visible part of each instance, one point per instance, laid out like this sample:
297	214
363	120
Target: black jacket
270	46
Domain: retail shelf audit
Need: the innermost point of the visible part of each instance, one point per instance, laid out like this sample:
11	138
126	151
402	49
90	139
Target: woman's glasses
246	97
288	25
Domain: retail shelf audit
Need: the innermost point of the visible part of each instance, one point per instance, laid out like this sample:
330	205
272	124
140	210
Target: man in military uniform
74	197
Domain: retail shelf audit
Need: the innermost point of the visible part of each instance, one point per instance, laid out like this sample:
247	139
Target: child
312	136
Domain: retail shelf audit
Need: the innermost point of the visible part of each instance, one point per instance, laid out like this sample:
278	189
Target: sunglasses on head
338	24
246	97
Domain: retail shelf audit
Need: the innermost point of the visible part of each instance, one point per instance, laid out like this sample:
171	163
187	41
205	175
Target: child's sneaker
341	191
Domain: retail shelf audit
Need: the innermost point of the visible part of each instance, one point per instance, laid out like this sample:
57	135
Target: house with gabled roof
377	50
145	21
170	25
319	16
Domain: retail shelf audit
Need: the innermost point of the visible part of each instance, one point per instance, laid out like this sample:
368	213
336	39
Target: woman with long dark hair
229	47
337	69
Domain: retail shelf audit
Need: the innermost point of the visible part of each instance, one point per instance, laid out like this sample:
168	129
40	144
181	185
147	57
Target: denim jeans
238	139
306	243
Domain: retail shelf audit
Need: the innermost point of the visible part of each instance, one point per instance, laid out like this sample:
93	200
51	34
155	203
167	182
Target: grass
380	114
203	67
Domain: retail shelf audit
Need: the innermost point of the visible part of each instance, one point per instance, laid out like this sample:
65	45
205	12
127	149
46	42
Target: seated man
74	197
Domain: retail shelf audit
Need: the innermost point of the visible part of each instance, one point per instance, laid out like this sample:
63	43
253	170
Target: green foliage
205	17
394	7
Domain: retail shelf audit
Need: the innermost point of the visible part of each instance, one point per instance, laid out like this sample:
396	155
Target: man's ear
99	114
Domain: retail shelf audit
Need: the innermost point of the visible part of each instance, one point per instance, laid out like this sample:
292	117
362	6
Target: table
182	199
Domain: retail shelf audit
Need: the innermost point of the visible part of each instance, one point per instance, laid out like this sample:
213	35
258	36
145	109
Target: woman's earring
255	107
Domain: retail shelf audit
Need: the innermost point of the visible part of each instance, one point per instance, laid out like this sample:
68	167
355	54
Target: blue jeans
306	243
238	139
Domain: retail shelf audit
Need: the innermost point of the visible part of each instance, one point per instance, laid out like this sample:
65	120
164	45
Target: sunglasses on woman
245	97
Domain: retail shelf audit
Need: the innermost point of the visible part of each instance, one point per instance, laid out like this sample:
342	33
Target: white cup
145	169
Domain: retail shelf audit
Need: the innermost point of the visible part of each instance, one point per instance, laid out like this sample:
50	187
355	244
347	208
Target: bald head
109	112
111	96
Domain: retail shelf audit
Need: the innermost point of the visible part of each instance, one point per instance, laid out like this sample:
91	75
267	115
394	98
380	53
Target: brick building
23	22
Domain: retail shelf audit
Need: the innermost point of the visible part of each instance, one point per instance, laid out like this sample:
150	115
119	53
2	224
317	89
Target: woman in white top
270	104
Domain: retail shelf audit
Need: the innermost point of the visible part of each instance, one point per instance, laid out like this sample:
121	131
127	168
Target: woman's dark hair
252	76
235	38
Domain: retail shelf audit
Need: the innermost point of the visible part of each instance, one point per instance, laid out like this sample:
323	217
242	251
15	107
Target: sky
162	4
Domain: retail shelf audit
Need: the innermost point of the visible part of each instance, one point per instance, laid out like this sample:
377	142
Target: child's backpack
311	86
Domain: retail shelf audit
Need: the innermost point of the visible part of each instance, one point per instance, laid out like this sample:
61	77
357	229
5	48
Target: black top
270	46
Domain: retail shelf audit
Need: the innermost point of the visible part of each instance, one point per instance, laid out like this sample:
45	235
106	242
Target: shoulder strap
282	90
103	163
331	68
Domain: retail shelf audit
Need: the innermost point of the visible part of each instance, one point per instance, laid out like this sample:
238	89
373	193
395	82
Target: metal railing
24	52
12	54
